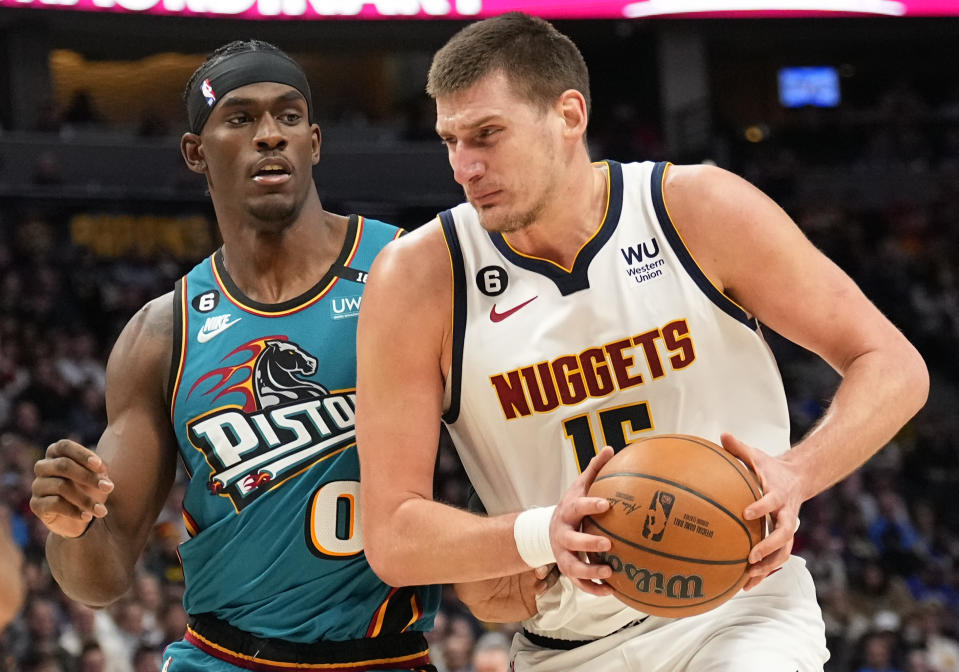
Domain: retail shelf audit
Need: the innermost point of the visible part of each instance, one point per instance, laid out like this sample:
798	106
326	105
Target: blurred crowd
882	545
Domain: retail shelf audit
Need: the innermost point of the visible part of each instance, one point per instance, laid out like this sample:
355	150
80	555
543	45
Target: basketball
680	545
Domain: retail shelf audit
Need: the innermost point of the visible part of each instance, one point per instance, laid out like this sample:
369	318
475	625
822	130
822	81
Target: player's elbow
916	382
95	594
386	561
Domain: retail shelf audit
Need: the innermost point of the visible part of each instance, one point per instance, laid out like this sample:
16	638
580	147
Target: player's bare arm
100	507
11	576
403	354
507	599
753	252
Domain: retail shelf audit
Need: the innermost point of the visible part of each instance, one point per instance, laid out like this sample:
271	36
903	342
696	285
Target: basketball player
247	371
571	305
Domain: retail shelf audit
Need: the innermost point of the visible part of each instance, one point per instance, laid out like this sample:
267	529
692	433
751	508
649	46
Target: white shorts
775	627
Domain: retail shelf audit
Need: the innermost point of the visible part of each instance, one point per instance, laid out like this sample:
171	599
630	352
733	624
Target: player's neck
571	219
276	266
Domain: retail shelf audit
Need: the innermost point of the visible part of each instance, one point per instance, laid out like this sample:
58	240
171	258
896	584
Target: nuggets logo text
594	372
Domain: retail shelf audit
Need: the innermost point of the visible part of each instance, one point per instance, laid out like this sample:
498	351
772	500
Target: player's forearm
93	569
11	581
879	393
423	542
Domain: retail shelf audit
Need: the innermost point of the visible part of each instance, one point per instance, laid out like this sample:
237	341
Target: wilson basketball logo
674	586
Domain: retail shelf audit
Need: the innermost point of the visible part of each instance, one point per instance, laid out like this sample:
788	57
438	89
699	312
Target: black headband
248	67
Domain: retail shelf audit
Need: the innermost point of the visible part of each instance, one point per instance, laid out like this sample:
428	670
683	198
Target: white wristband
531	532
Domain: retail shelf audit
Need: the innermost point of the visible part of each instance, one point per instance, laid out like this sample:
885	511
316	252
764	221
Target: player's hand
70	488
507	598
781	501
565	536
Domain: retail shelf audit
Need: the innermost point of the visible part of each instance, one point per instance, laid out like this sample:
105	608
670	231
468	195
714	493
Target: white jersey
550	363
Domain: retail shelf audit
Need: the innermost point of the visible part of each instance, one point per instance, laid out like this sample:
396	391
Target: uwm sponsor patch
250	453
347	306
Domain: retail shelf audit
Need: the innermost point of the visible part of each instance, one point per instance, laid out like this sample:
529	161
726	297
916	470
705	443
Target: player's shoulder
143	350
150	330
701	184
417	253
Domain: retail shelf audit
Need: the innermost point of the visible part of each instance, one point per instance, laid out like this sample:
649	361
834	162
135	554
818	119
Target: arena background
98	215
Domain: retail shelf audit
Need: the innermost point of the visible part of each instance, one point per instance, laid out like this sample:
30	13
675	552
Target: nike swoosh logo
499	317
204	336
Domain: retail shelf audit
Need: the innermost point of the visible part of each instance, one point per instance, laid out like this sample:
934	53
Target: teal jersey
263	404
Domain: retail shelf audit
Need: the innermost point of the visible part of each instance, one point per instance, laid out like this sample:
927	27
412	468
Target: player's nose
467	165
269	133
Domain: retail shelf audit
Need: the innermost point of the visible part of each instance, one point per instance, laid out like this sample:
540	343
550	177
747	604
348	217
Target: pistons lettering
594	372
250	453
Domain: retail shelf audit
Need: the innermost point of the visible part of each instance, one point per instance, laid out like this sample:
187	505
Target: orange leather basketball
680	544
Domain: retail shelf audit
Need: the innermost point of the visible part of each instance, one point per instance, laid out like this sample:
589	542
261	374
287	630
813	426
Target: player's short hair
539	61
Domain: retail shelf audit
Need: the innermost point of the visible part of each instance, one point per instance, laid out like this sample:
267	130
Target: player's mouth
272	171
485	199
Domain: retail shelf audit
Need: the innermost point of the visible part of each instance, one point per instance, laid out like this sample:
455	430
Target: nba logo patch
207	91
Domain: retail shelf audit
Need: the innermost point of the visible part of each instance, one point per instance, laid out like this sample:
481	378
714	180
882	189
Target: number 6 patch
492	280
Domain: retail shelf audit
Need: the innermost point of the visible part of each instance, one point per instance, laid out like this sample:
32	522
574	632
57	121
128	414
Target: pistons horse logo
279	374
265	372
268	420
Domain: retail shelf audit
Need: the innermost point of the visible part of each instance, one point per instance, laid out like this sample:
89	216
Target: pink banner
465	9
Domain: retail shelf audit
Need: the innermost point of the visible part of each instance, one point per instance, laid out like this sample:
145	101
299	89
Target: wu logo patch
648	249
276	424
658	515
643	260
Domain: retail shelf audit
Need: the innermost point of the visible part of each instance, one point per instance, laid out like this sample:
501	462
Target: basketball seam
719	506
701	561
754	487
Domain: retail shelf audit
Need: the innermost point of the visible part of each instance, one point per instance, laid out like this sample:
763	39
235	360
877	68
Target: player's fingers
575	542
768	503
779	538
769	565
743	451
67	468
573	567
573	511
73	494
77	453
551	578
543	571
599	460
593	588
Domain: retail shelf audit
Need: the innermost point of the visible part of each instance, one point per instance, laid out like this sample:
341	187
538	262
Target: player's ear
192	150
572	108
317	142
